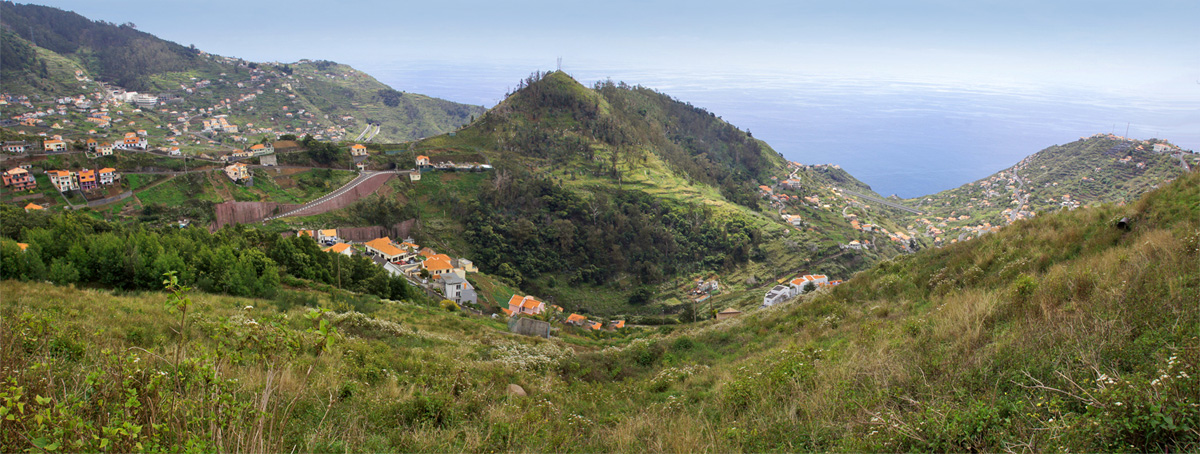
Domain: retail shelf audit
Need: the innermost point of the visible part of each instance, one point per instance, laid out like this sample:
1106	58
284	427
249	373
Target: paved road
880	201
363	133
362	178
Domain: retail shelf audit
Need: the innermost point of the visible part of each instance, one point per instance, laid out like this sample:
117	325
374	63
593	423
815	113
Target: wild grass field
1065	332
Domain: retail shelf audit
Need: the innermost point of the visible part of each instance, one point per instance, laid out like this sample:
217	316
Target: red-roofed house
20	179
576	319
108	175
63	180
437	266
525	305
422	161
87	180
54	145
340	248
327	235
131	143
383	247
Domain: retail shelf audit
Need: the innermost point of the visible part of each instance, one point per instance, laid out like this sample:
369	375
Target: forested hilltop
603	198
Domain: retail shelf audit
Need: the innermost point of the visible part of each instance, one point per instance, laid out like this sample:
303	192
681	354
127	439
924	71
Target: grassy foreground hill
1063	332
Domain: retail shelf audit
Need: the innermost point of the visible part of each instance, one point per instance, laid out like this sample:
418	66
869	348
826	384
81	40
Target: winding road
880	201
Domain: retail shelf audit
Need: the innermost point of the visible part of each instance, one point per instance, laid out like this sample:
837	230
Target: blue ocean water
903	138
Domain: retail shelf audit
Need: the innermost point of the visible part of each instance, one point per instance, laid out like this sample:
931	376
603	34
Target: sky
1118	56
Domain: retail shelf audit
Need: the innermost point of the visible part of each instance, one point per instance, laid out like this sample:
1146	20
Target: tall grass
1058	333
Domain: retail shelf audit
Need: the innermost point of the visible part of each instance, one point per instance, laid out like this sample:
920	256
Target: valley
200	252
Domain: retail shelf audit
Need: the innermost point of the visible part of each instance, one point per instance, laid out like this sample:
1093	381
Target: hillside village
1032	185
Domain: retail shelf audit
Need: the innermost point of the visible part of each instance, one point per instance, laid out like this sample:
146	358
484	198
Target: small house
108	175
383	248
776	295
525	305
63	180
728	313
237	172
340	248
458	289
54	145
20	179
328	236
88	180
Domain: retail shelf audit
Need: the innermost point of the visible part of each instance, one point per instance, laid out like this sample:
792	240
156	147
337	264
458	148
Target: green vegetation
1060	333
1091	171
179	190
119	54
241	262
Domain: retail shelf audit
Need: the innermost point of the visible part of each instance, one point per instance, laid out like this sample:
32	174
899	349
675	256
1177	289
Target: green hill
1100	169
606	193
1064	332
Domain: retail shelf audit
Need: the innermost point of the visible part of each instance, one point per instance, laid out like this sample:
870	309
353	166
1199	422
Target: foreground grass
1059	333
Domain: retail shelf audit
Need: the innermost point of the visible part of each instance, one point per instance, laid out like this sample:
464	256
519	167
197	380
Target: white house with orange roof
63	180
799	283
131	143
237	172
340	248
358	149
328	235
261	149
54	145
438	265
383	248
422	161
108	175
525	305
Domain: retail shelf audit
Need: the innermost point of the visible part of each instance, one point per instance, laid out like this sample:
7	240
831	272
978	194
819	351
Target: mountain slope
604	192
1100	169
316	98
117	54
1064	332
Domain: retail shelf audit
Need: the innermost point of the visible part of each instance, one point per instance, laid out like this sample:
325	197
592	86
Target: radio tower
560	63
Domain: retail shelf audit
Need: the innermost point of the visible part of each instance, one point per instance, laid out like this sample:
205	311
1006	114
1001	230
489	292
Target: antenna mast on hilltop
560	63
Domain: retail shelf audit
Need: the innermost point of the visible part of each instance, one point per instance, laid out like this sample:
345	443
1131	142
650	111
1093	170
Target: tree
62	272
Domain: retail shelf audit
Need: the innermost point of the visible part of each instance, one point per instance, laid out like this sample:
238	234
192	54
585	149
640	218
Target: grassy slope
1061	332
415	116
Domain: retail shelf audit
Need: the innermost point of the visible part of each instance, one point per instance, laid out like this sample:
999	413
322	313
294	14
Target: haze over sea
904	138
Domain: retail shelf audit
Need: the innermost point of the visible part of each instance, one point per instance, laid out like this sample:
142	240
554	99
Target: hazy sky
1148	46
913	97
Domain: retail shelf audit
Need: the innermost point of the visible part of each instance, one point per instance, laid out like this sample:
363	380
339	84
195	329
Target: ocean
900	137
